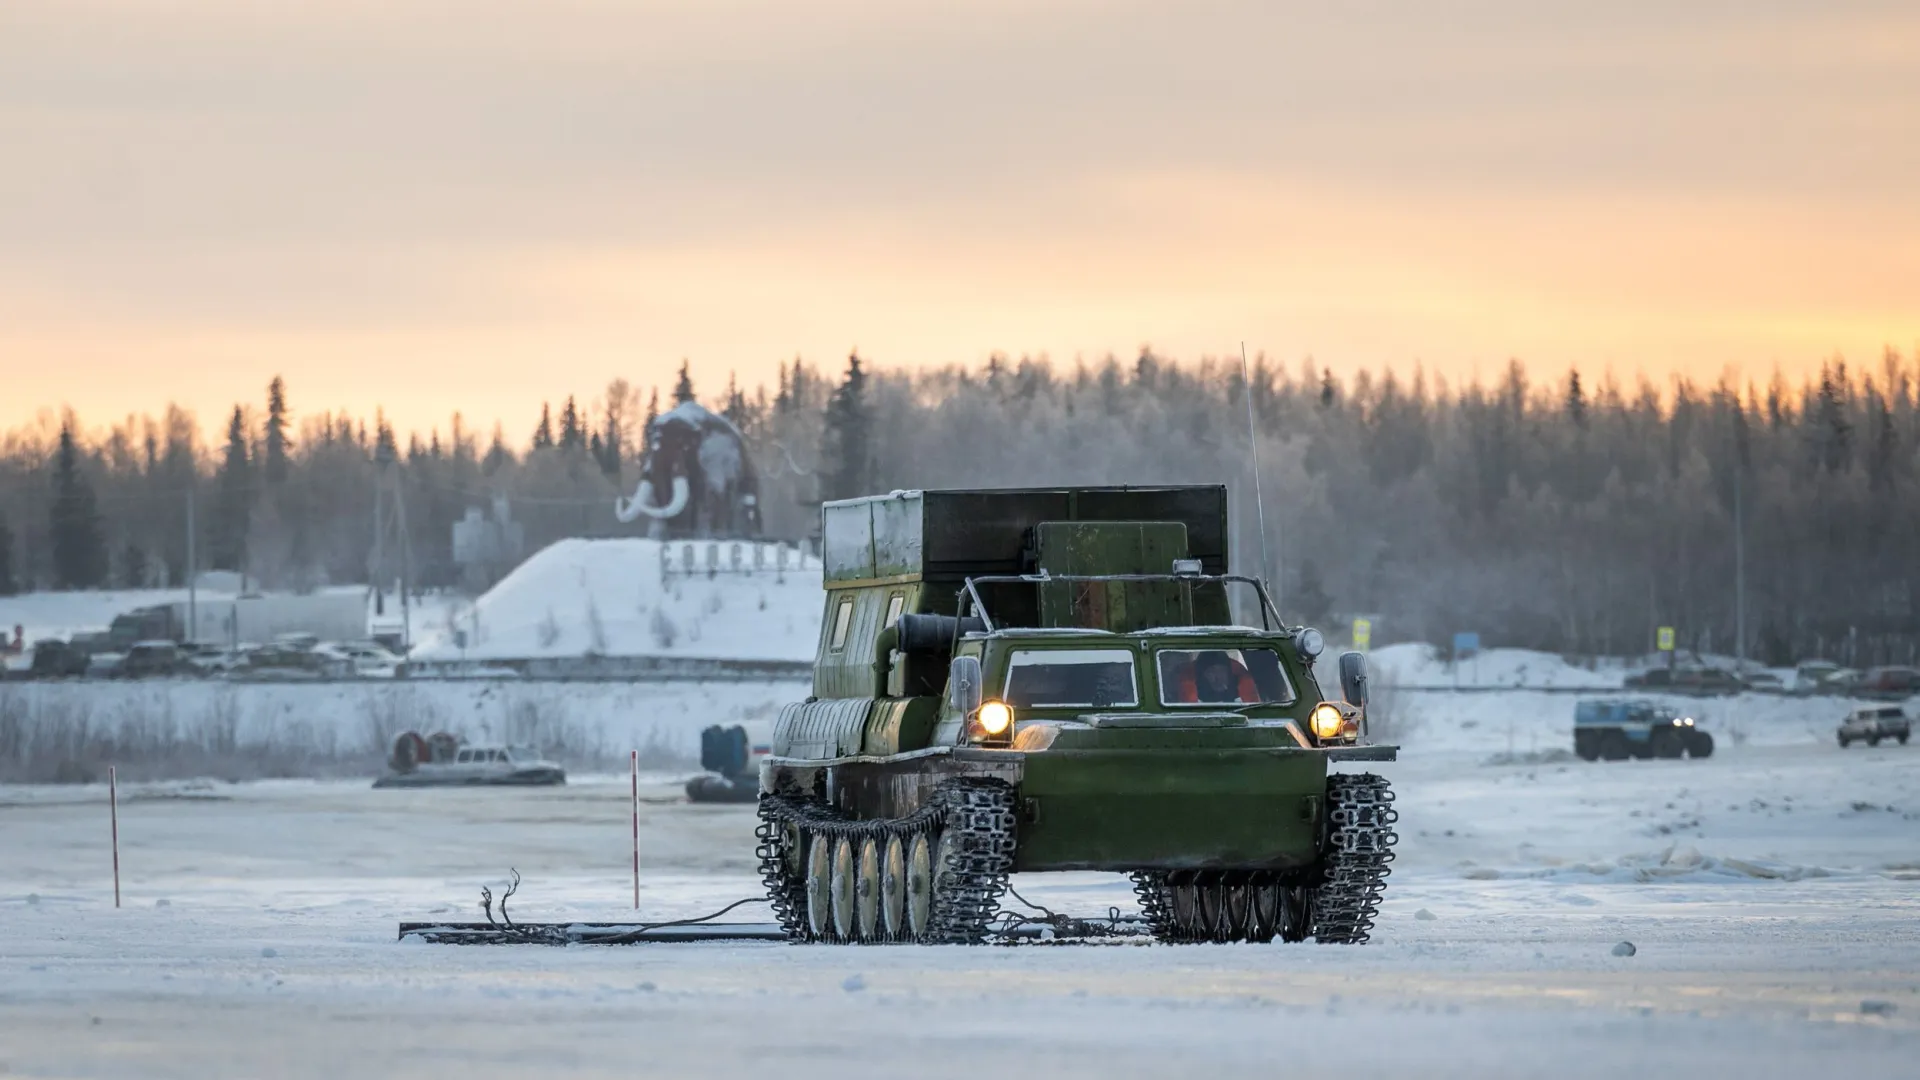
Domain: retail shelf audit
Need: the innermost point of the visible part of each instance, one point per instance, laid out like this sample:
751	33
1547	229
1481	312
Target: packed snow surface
709	599
1769	894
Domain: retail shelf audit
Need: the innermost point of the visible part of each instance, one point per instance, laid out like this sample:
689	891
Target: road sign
1664	639
1465	645
1362	633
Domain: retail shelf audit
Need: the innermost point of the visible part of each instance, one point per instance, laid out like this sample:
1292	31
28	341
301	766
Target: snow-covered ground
641	598
1772	893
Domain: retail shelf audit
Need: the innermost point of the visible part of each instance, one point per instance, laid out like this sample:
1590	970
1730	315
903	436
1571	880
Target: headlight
1325	721
994	718
1309	643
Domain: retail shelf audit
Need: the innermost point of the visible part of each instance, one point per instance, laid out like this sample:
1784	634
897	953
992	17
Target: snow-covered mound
734	600
1416	664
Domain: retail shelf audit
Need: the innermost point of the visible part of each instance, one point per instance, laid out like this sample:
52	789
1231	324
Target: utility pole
392	544
1739	573
1274	576
193	567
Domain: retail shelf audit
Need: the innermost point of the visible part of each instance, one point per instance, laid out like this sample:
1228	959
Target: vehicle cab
1035	683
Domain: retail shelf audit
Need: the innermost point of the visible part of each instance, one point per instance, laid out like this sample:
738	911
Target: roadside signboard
1663	639
1465	645
1362	633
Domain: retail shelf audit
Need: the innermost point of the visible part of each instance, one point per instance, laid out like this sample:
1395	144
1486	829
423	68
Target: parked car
281	662
54	658
1823	677
1696	680
1892	683
152	660
363	659
1764	682
1873	723
209	659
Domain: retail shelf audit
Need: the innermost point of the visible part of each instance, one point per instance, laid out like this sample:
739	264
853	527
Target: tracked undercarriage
937	876
933	877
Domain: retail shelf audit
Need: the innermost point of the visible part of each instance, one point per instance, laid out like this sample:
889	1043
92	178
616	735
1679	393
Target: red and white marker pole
635	773
113	815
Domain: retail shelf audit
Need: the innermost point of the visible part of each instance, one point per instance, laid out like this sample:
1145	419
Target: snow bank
1415	665
73	730
591	598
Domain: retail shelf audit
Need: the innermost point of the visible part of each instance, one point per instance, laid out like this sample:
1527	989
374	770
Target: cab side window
894	604
842	621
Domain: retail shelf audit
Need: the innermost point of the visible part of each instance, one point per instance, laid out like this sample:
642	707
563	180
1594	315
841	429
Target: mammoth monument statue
697	461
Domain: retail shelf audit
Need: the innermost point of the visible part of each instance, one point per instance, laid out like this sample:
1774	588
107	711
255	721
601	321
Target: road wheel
893	889
1902	737
840	889
1667	743
1183	903
944	853
1873	740
1296	913
1223	910
1844	741
1613	746
1586	745
866	890
1264	908
819	884
919	886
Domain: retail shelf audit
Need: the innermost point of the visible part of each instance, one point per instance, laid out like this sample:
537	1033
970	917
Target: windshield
1223	677
1084	678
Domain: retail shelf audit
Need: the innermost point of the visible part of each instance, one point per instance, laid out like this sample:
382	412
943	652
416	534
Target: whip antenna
1259	504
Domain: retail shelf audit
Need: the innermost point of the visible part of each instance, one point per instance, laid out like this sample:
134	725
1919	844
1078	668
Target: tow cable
1009	927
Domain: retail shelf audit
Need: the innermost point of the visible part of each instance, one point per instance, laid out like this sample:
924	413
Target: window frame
896	604
1133	670
1280	665
842	626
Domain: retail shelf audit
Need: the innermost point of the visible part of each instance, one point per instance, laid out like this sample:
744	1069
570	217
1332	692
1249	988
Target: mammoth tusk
642	502
625	510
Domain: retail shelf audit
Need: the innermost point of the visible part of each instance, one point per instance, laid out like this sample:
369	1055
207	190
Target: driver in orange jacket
1216	677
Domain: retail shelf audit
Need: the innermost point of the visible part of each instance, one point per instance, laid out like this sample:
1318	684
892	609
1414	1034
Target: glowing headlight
994	718
1325	721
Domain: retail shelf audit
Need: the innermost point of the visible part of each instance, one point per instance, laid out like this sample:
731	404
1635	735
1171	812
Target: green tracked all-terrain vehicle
1053	679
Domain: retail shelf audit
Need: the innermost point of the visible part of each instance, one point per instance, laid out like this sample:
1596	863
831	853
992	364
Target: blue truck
1614	730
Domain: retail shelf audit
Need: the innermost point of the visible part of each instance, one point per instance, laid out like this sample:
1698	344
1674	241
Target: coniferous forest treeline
1568	513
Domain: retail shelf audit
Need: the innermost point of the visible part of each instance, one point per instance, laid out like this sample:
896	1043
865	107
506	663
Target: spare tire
442	746
409	750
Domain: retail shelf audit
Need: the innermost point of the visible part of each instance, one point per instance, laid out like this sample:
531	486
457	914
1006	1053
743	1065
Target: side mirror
1353	678
964	683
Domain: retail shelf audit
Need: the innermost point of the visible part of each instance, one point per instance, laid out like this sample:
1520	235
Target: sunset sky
475	205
